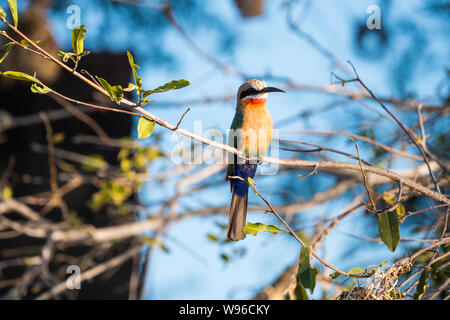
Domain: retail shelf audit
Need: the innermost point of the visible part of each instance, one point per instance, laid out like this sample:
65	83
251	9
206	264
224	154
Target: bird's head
254	92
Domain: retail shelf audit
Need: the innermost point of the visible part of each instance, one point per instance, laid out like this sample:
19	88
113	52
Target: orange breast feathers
256	128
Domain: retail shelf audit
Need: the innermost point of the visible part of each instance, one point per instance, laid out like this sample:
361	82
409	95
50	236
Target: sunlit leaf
273	229
335	275
125	164
25	43
66	55
5	50
306	275
355	270
388	198
37	87
20	76
13	8
401	212
153	242
2	13
300	292
94	162
254	228
212	237
130	87
251	182
123	153
389	230
134	67
40	89
422	285
145	128
114	92
7	192
78	36
372	269
174	84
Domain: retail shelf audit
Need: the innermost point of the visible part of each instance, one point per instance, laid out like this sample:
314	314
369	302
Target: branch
297	163
399	123
93	272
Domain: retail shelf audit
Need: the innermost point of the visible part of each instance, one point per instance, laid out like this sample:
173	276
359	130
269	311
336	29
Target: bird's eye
248	92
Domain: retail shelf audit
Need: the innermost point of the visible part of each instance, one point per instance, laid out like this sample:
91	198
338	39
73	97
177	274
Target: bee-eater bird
251	132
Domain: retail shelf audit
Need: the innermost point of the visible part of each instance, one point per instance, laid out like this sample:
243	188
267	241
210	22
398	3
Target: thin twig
181	119
313	171
366	185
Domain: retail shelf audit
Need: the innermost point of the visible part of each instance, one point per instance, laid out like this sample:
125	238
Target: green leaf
350	286
40	89
389	198
273	229
224	257
134	67
145	128
130	87
300	292
78	36
114	92
422	285
174	84
306	275
2	13
355	270
254	228
212	237
335	275
117	93
7	193
389	229
153	242
21	76
251	182
25	43
94	162
67	55
372	269
5	50
13	8
401	212
36	87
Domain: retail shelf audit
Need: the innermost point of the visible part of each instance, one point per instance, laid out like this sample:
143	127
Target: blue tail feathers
244	171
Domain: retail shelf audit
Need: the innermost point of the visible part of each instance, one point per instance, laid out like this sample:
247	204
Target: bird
250	132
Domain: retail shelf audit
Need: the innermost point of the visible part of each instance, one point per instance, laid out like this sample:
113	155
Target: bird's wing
232	141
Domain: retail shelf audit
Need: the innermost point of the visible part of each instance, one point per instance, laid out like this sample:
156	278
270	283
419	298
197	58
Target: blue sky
265	45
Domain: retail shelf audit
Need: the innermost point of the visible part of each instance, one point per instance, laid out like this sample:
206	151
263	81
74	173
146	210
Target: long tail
238	217
238	209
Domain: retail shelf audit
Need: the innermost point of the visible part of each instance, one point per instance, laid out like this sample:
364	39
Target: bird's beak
271	89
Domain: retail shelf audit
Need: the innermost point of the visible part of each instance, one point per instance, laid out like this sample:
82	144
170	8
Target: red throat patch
255	101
